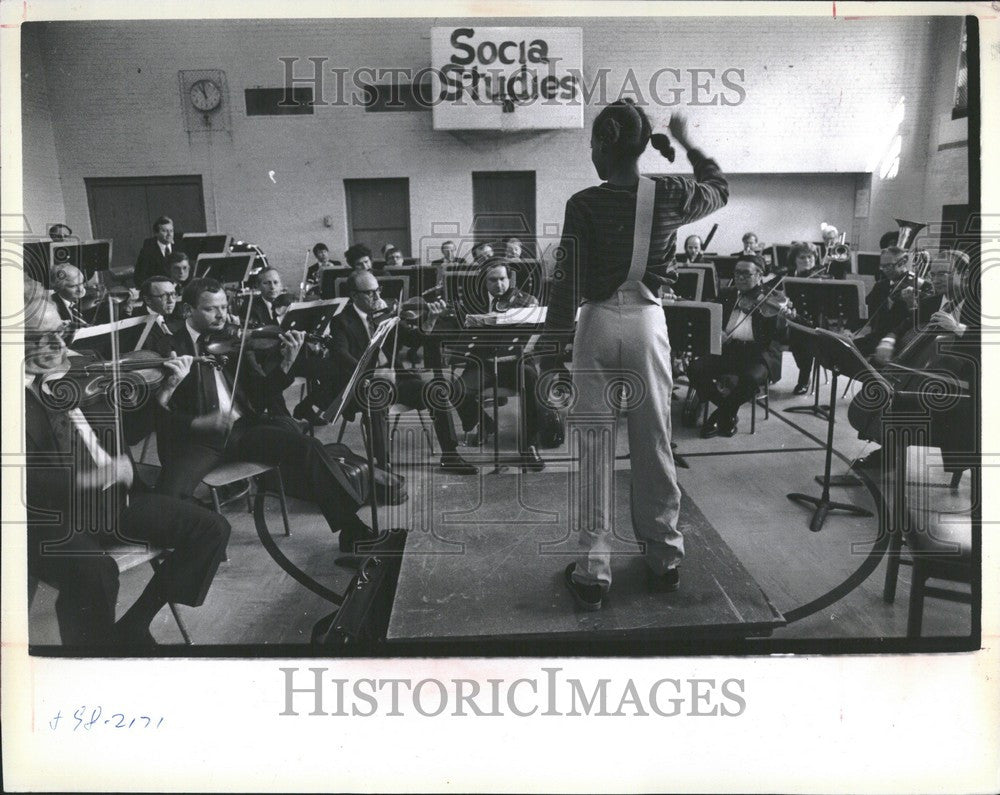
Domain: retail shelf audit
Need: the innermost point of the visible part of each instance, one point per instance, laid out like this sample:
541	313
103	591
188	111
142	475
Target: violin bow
305	272
239	364
116	395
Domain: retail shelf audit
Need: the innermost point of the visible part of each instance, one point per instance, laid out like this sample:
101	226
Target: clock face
205	95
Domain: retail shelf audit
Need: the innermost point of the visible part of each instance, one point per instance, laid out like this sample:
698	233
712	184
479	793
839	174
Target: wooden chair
253	473
126	558
940	549
763	393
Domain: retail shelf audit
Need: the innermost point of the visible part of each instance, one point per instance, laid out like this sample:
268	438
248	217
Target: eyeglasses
742	272
370	293
165	296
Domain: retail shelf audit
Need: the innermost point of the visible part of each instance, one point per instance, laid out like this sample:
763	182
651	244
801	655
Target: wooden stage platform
498	575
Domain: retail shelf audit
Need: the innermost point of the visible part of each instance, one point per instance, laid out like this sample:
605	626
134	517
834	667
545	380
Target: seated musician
210	419
803	261
358	257
179	269
393	257
62	552
160	296
946	313
502	298
692	250
886	307
751	352
262	310
350	333
60	232
448	255
751	245
68	289
480	253
322	254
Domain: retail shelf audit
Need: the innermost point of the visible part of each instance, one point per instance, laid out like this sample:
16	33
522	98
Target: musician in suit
322	254
358	257
886	307
393	257
477	381
448	252
179	269
63	548
751	245
68	289
213	417
159	293
946	313
152	259
692	250
751	351
350	333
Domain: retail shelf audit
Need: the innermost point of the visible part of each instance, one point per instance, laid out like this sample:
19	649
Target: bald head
68	282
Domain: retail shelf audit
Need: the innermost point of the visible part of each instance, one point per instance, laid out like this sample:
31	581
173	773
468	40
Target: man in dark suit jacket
68	288
751	352
350	333
213	417
64	541
152	259
501	297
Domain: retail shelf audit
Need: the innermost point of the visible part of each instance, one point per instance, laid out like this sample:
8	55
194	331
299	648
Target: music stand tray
225	268
694	327
312	317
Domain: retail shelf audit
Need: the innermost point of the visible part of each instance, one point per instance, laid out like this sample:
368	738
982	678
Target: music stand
366	363
710	282
312	317
694	329
194	244
95	256
689	283
328	281
839	357
132	333
64	252
225	268
817	302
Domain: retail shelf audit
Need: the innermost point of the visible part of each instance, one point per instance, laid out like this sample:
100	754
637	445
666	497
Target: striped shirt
596	246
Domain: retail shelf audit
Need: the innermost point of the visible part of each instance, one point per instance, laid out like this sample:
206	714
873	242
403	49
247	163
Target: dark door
123	210
503	205
378	212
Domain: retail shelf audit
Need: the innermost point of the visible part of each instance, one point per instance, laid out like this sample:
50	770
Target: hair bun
662	145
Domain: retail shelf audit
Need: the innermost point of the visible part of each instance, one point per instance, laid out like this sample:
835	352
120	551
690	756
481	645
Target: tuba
908	231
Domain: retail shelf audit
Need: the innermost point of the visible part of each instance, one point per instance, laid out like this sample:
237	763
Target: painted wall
818	94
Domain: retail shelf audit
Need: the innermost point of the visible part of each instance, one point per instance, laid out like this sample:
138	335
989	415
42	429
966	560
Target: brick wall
817	94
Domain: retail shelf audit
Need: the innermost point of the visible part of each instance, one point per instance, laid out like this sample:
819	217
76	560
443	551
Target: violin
98	294
263	339
93	379
772	303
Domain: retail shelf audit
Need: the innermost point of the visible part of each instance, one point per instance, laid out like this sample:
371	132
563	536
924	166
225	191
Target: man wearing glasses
751	353
350	333
160	296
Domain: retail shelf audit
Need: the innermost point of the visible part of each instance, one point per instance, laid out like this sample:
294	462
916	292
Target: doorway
123	210
503	206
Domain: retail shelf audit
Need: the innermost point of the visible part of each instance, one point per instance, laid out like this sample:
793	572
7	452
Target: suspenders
645	194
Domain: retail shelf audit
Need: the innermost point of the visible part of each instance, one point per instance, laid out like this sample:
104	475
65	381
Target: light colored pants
621	347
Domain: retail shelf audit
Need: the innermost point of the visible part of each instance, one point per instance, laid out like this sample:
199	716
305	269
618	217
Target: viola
263	339
768	302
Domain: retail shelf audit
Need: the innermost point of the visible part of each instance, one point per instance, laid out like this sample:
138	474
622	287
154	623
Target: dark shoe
871	462
588	597
711	427
531	461
728	426
454	464
355	537
306	411
800	389
667	582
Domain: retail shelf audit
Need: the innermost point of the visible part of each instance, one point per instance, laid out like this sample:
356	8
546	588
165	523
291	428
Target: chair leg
343	427
753	416
250	488
218	510
281	501
423	427
767	401
915	615
956	478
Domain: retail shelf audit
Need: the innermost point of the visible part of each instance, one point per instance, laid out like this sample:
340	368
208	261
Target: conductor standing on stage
615	238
